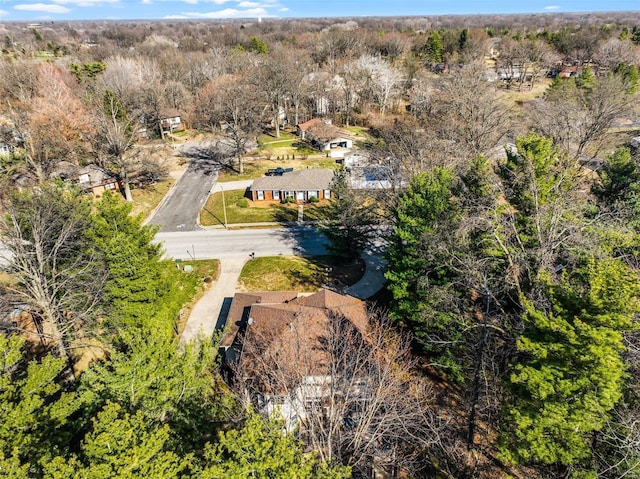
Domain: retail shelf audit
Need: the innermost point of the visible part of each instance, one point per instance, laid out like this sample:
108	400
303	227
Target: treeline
89	278
92	101
519	280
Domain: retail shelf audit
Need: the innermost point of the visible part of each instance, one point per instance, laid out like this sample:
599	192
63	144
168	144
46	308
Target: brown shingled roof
294	332
238	312
307	124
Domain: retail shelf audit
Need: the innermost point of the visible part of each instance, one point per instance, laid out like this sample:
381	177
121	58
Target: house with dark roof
289	333
301	185
268	319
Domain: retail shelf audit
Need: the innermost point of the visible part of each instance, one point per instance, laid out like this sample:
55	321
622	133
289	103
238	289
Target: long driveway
179	210
210	313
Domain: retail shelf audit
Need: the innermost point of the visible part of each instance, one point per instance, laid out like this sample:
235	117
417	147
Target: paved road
373	279
179	210
207	244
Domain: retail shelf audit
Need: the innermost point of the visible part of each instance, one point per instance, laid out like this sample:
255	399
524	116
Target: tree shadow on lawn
340	274
285	213
309	242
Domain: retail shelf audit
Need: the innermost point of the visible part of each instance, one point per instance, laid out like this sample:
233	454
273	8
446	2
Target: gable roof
311	179
166	113
295	333
324	132
239	310
309	123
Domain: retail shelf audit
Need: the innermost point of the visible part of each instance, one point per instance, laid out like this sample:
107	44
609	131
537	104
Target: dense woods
506	343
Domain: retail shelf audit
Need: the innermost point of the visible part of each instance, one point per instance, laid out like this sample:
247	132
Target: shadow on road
208	157
304	240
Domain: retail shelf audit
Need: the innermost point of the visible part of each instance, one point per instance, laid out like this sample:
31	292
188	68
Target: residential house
5	150
291	334
569	71
301	185
325	136
95	180
170	121
367	173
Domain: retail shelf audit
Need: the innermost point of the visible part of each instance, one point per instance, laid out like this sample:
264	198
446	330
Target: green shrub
242	203
287	200
313	199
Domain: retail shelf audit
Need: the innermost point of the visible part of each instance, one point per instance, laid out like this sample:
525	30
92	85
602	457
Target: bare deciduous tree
273	80
469	112
353	394
382	78
57	275
238	111
578	118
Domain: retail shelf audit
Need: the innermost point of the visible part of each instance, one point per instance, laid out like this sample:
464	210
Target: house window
314	193
327	194
300	195
288	194
276	194
260	195
110	186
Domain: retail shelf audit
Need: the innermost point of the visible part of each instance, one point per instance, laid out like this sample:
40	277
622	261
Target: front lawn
147	198
257	212
295	273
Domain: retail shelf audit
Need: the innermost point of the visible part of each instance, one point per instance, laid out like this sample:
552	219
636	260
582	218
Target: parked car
278	171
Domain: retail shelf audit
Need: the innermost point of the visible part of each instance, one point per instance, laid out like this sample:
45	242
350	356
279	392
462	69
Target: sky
37	10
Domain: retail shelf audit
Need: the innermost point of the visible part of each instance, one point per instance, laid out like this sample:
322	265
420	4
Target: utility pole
224	208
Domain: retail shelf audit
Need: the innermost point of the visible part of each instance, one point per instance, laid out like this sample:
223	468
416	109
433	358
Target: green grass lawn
267	138
213	212
257	212
296	273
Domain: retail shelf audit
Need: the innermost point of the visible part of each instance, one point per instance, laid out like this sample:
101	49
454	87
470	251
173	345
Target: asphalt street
208	244
179	210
